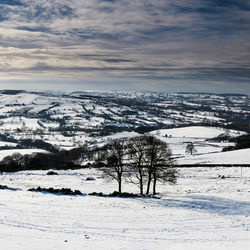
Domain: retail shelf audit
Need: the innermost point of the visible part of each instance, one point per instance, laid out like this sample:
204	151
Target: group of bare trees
142	160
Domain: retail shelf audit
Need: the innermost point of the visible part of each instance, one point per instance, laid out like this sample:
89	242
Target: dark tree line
240	143
143	160
41	161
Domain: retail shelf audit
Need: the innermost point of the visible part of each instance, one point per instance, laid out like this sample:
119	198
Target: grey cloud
157	39
12	2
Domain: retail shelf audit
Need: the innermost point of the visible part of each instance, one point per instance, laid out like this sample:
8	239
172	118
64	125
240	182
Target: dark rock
97	194
52	173
90	178
7	188
63	191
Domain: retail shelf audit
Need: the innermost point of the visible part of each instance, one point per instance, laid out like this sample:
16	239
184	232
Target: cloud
12	2
155	39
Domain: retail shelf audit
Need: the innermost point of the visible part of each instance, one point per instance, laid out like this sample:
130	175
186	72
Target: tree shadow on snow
208	204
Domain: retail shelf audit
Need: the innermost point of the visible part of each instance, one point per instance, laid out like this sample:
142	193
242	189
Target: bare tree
113	156
190	148
149	158
12	162
159	163
137	153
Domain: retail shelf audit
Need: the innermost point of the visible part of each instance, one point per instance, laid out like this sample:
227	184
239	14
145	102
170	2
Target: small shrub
63	191
7	188
90	178
52	173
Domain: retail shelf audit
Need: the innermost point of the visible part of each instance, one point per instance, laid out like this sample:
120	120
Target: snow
241	156
179	138
105	139
196	132
49	124
19	123
41	111
8	144
201	212
23	98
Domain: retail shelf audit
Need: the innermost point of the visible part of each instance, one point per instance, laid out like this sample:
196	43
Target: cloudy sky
161	45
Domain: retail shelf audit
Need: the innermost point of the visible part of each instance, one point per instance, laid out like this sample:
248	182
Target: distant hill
70	119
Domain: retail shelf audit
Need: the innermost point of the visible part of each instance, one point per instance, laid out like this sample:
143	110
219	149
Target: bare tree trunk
120	185
154	187
149	182
141	185
150	170
155	179
141	180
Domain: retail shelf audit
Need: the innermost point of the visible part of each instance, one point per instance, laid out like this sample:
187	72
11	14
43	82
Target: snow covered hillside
68	120
208	208
207	144
207	141
202	211
197	132
241	156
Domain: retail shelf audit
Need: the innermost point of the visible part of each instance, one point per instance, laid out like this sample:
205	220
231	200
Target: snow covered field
196	132
241	156
202	211
208	208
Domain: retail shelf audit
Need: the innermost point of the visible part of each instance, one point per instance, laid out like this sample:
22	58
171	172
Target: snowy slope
179	138
105	139
200	212
22	98
196	132
129	109
241	156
